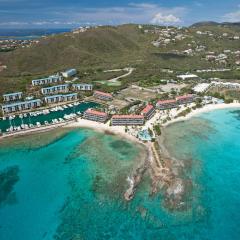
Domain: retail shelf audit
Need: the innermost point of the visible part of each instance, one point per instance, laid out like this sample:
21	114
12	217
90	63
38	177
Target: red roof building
167	104
126	120
148	111
96	116
102	95
185	99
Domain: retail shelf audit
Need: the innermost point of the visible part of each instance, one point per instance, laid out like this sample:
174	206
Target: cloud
76	15
232	16
160	18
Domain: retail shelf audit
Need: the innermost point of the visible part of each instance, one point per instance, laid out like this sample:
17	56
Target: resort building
127	120
82	87
55	89
166	104
103	96
148	111
69	73
61	98
21	106
48	80
12	96
185	99
94	115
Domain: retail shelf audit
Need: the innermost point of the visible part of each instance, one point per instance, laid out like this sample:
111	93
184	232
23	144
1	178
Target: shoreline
204	109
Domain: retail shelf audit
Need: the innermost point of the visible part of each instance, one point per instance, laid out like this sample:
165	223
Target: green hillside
109	47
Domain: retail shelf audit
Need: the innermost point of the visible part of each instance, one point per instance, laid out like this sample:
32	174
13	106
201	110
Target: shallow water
70	185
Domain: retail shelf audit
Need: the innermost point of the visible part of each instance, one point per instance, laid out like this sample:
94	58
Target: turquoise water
70	186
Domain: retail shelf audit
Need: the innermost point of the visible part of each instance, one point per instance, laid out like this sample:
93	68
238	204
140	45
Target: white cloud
160	18
131	13
232	16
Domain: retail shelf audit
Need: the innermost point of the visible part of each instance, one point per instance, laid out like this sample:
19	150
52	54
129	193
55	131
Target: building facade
55	89
82	87
21	106
127	120
148	112
61	98
48	80
96	116
103	96
12	97
166	104
185	99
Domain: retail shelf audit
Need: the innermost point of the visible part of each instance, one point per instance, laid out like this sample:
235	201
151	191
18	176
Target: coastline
204	109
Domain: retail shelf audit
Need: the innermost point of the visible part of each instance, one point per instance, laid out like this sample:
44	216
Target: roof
166	101
95	112
148	108
184	97
103	93
12	94
127	117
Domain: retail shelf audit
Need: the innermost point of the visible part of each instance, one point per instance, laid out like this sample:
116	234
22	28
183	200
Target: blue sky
73	13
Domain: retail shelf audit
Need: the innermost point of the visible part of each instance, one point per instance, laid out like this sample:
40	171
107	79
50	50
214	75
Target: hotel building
82	87
148	111
185	99
55	89
12	96
69	73
166	104
21	106
61	98
48	80
94	115
103	96
127	120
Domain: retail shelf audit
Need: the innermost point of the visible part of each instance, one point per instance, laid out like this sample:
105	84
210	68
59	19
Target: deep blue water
71	187
23	34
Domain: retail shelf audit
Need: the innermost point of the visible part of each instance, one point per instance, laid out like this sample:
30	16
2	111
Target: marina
45	117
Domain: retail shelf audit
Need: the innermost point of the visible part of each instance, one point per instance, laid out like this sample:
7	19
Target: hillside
108	47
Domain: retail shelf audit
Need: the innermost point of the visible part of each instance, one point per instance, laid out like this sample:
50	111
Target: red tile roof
184	97
127	117
166	101
94	112
103	93
148	108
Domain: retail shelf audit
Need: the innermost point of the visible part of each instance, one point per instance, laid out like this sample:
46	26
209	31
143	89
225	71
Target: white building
69	73
48	80
82	87
21	106
187	77
61	98
55	89
12	96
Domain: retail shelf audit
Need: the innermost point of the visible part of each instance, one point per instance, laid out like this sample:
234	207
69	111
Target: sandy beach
206	108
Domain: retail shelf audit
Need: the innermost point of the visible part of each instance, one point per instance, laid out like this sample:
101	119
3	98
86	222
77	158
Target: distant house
21	106
61	98
185	99
12	96
82	87
69	73
96	116
187	77
55	89
148	111
103	96
48	80
127	120
167	104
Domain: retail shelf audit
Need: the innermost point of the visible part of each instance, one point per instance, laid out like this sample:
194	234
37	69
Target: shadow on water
8	178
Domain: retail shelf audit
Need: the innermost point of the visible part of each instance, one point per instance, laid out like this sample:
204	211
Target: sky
73	13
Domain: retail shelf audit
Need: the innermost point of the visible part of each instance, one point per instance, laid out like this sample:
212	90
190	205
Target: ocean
28	34
69	184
